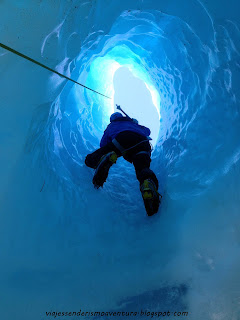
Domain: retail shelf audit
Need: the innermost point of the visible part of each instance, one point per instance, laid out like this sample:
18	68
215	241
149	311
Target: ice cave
69	251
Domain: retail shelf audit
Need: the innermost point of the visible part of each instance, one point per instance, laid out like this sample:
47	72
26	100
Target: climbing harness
52	70
124	151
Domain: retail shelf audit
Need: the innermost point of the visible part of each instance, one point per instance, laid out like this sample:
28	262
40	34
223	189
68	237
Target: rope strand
45	67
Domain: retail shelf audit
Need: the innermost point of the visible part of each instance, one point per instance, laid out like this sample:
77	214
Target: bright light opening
119	75
137	100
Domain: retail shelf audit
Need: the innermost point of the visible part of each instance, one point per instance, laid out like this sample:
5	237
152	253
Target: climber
125	137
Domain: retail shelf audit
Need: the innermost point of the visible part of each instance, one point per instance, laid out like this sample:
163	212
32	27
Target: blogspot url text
140	314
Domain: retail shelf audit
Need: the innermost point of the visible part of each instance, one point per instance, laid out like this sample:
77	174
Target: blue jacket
119	125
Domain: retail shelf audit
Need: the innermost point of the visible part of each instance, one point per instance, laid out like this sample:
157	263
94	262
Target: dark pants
141	161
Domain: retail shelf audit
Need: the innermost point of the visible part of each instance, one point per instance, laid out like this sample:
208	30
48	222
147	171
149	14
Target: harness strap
124	151
146	152
118	146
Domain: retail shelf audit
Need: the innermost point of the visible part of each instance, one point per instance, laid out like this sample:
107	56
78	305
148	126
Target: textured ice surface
66	246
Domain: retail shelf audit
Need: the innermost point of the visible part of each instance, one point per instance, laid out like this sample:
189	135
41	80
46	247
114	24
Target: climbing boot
151	197
101	172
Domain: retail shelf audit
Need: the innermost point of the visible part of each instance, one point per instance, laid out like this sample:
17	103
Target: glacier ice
66	246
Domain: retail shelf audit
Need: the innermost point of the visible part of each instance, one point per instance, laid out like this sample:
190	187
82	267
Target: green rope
52	70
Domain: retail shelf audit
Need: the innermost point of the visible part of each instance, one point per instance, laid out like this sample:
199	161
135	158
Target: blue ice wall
66	246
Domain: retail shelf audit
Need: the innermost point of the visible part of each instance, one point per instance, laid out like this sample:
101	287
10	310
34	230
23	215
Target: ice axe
119	108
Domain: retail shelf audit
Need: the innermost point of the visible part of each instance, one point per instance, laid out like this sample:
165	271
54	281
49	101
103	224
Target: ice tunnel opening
134	95
118	74
114	69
